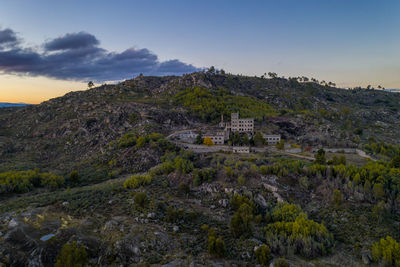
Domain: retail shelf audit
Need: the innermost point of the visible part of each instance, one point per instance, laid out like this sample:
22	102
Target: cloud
72	41
7	37
77	56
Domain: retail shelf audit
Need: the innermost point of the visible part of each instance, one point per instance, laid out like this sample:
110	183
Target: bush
137	180
263	255
304	183
241	180
285	212
140	199
72	256
184	188
241	221
378	191
74	177
320	157
337	197
173	214
203	175
281	262
24	181
237	200
304	236
215	245
280	145
379	211
127	140
386	250
183	165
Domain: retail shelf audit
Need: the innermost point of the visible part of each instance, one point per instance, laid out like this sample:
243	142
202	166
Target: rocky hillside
90	177
65	131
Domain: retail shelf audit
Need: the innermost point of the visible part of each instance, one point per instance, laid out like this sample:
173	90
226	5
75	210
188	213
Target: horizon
393	90
48	49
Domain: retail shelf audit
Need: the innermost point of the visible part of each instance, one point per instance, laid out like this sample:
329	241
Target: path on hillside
217	148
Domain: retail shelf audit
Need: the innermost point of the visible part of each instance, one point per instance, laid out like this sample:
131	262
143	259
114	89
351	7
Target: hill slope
66	170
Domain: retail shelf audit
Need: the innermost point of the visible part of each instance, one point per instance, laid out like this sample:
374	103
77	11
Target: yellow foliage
208	142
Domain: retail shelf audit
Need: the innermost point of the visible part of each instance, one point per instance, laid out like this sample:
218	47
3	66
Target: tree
379	211
90	84
386	250
395	163
320	157
280	145
183	165
207	141
199	139
337	197
272	75
74	177
211	70
245	140
241	221
72	256
378	191
258	139
367	187
263	255
216	245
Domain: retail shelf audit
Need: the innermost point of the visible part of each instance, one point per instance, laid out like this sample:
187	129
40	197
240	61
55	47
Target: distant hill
6	105
392	90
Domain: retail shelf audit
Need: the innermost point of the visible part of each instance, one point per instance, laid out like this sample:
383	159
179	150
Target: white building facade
272	139
241	125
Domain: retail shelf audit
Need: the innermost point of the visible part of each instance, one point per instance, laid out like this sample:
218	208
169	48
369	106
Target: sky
48	48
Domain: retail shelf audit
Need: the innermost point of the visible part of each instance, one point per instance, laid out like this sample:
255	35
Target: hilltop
97	167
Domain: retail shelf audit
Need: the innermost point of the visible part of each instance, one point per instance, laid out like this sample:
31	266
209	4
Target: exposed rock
13	223
260	200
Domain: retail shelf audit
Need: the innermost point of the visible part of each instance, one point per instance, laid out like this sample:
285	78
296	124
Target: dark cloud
72	41
7	36
77	56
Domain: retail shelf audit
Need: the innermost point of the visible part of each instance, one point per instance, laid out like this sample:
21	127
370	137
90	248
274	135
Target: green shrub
24	181
127	140
173	214
320	157
263	255
304	236
241	221
237	200
74	177
216	245
141	199
304	183
203	175
183	165
387	251
72	256
337	197
210	104
141	141
281	262
241	180
285	212
137	180
184	188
